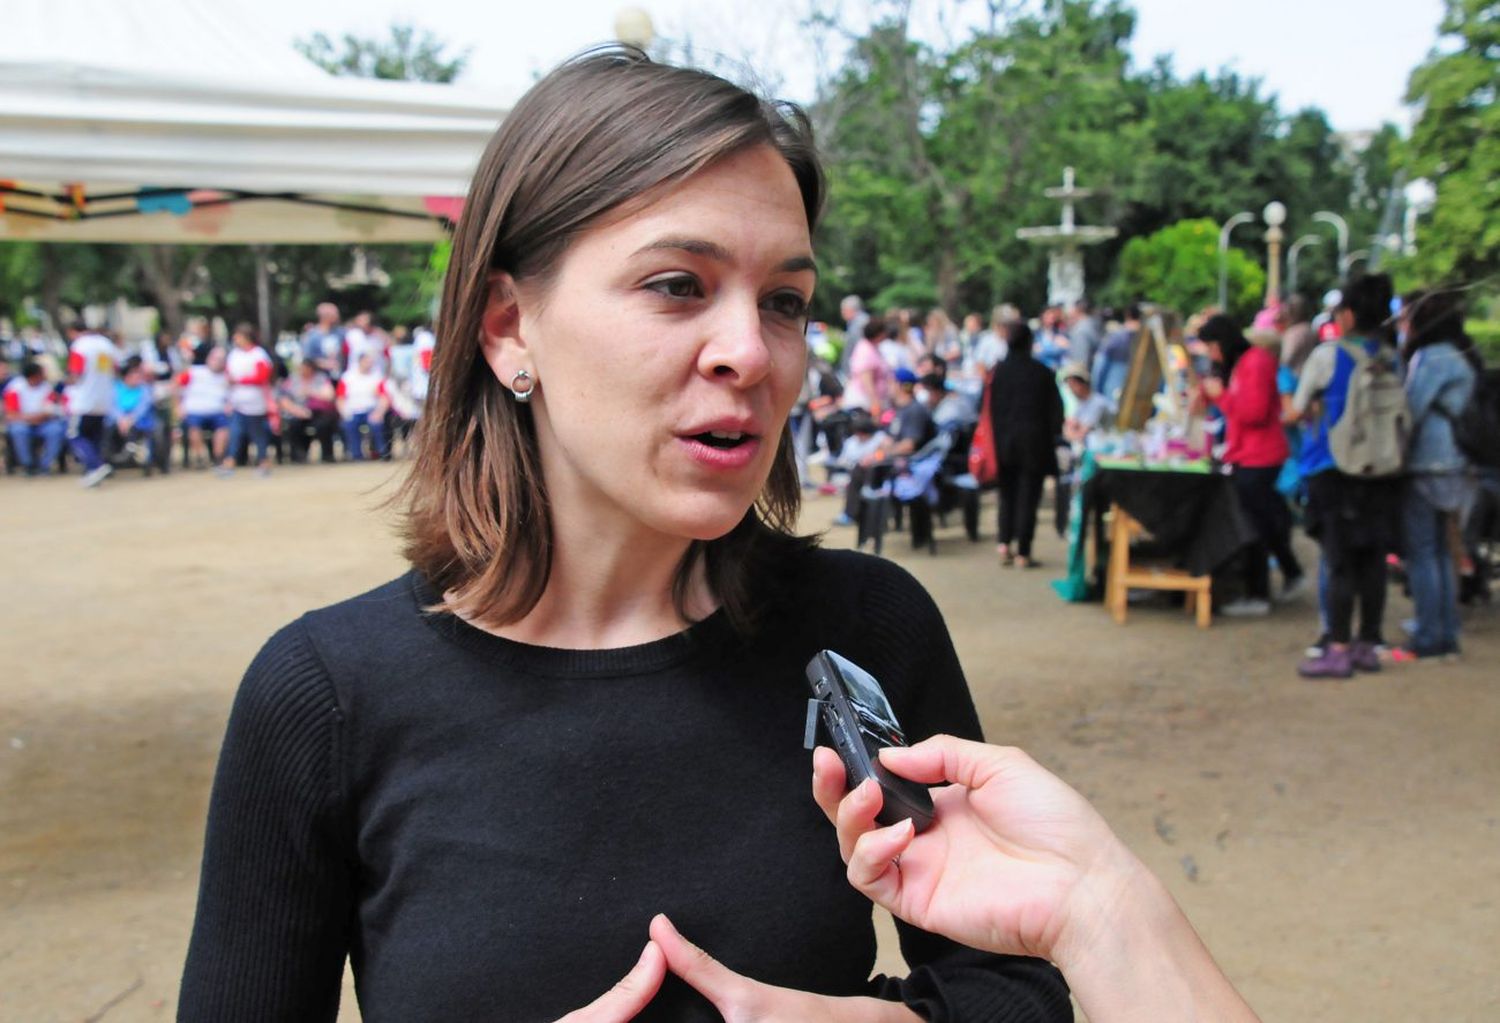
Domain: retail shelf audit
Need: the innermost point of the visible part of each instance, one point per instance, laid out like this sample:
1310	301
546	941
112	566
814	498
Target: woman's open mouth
721	449
723	440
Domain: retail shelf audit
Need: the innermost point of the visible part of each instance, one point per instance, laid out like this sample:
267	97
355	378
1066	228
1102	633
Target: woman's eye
677	287
788	304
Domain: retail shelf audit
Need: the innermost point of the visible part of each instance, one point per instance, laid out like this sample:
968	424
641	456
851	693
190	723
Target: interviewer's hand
1018	862
1002	865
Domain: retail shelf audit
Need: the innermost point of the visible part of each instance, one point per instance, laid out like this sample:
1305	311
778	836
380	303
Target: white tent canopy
174	121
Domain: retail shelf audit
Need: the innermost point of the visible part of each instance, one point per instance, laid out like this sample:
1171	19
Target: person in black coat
1026	413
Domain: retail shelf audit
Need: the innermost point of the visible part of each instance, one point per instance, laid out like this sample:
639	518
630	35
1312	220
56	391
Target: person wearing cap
1257	447
1092	409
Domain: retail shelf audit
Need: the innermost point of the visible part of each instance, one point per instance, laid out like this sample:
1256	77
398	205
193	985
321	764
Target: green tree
937	154
20	276
1178	267
408	55
936	157
1456	143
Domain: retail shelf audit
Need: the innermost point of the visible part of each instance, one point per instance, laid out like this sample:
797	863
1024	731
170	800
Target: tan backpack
1370	439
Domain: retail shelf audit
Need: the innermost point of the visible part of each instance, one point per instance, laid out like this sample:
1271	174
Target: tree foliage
1456	143
937	154
1179	267
407	55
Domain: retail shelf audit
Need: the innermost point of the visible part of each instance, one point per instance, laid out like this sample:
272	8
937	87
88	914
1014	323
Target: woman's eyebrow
719	254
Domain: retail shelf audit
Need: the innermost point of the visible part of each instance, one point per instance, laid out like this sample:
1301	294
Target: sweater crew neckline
709	634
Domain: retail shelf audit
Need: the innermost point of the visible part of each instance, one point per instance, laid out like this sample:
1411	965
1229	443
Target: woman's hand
1011	859
1213	388
630	995
742	1000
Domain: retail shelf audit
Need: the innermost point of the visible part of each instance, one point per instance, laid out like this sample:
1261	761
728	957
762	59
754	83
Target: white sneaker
96	476
1246	607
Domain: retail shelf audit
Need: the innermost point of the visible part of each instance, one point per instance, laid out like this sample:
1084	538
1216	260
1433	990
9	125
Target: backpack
1477	427
1370	439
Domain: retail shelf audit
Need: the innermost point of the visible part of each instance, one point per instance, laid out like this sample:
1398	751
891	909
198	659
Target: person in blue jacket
1439	381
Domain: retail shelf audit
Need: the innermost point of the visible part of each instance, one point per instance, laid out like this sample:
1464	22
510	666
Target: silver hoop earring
521	380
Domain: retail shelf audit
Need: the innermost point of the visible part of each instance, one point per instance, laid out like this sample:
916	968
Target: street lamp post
1229	225
633	26
1274	215
1357	256
1291	258
1342	227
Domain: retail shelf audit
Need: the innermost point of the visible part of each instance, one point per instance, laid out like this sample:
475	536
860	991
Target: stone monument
1066	241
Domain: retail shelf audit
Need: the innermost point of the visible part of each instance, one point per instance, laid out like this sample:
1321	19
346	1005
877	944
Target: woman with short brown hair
583	706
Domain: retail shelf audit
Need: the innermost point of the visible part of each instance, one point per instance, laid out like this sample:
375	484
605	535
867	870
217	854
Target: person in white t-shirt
361	337
92	361
203	407
363	402
249	369
33	411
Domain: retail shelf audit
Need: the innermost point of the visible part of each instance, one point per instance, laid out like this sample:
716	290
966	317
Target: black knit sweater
485	828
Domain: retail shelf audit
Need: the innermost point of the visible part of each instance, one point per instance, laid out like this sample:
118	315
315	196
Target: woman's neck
604	593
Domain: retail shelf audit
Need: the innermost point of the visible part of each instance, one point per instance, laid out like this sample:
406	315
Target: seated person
134	420
33	411
864	438
202	406
1093	409
309	411
362	402
954	410
910	429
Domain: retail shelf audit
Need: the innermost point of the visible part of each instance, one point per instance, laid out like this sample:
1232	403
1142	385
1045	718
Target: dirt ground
1338	845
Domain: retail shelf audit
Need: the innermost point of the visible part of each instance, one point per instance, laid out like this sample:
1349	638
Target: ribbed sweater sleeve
948	983
274	904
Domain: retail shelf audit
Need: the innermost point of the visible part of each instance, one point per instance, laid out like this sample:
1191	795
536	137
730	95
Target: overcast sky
1350	57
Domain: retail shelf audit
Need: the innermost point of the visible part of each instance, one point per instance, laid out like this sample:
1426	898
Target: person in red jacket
1257	447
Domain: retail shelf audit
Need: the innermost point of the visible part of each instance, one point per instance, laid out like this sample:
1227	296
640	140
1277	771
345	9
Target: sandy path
1338	845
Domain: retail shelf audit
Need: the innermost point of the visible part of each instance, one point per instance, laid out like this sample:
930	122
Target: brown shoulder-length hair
601	130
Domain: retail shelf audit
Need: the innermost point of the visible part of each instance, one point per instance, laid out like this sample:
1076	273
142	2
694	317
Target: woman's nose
736	348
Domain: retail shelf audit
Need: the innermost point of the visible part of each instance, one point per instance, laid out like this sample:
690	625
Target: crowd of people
1367	424
109	403
897	407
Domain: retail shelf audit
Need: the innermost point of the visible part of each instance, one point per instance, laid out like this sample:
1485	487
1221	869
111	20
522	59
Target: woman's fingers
829	781
872	866
701	971
630	994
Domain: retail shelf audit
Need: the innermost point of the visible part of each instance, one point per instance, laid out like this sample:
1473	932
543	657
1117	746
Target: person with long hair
1255	450
500	782
1440	376
1026	413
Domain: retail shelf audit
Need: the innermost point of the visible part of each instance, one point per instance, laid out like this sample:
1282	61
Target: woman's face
667	352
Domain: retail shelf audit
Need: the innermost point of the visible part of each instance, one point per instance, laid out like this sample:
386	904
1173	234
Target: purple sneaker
1331	664
1364	656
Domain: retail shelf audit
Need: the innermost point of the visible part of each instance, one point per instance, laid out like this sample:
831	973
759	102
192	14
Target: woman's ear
501	340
